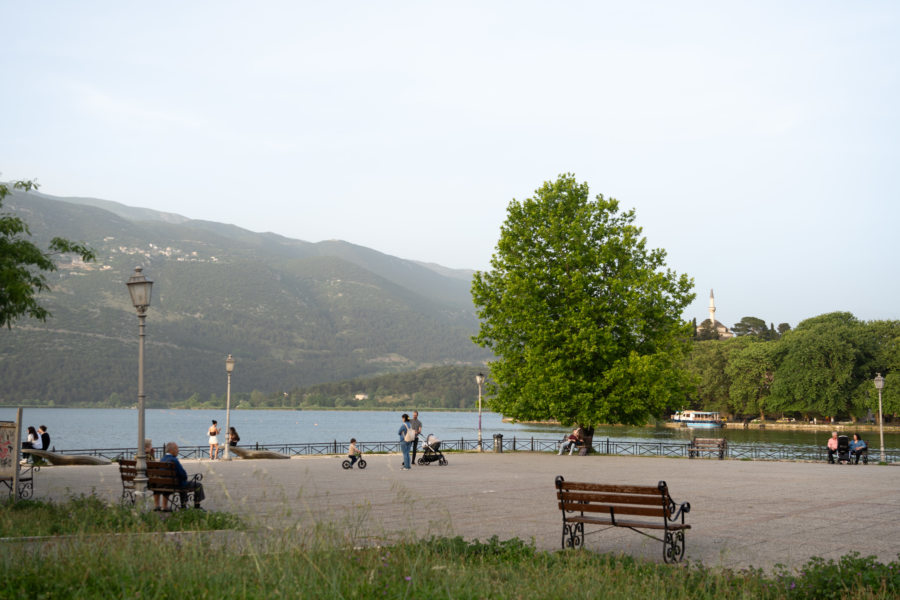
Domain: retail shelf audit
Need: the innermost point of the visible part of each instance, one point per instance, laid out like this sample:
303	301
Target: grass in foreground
323	563
89	515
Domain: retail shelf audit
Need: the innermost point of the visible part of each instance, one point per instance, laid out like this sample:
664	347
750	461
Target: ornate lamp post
139	288
879	385
229	367
479	379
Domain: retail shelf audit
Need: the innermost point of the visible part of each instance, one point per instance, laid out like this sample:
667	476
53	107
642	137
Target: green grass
89	515
326	563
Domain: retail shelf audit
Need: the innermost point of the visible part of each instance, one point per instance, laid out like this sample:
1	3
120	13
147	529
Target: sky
756	141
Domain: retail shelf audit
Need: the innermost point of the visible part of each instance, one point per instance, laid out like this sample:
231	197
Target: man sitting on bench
183	482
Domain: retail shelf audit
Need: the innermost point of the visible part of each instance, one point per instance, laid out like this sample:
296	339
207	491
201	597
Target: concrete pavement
743	513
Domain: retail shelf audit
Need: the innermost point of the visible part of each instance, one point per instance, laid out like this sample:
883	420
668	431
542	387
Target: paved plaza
743	513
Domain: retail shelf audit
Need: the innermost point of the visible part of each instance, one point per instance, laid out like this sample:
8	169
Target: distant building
361	397
722	332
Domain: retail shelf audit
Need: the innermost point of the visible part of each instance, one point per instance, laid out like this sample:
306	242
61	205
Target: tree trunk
587	435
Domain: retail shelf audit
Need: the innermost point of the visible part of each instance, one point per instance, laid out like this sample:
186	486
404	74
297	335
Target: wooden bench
711	446
25	484
161	479
643	506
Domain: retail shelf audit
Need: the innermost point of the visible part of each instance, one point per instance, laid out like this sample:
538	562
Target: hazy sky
754	139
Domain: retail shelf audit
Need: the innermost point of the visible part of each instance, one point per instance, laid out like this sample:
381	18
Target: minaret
712	310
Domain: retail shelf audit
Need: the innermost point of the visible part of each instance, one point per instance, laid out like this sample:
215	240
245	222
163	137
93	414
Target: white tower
712	309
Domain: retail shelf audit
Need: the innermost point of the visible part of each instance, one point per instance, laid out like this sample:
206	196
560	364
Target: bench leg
673	546
572	535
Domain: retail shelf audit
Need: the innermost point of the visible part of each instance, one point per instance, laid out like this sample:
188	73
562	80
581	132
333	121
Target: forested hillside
292	313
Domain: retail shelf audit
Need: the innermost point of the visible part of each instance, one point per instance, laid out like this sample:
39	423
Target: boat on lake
698	419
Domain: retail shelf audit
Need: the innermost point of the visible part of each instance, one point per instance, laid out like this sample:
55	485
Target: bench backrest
642	500
710	441
159	474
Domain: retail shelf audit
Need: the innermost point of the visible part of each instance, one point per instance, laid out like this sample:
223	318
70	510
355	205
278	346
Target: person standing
214	440
407	434
416	424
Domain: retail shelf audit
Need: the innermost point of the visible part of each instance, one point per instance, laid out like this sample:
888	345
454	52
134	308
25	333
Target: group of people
38	439
214	431
857	447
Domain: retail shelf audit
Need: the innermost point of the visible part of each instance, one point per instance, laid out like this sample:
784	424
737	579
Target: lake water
88	428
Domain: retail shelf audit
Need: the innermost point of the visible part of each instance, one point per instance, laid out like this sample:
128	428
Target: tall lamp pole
879	385
229	367
479	379
139	287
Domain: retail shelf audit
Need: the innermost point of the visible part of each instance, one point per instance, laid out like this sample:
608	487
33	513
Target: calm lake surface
88	428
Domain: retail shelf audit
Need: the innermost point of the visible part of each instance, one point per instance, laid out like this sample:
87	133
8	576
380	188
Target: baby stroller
843	450
431	452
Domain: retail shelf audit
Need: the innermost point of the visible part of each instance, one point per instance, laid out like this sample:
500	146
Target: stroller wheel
361	464
346	464
420	462
442	462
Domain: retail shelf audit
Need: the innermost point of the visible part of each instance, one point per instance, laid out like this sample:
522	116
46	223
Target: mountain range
292	313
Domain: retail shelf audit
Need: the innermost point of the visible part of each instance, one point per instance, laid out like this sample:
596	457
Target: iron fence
516	444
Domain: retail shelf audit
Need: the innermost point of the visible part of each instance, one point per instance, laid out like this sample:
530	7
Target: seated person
183	482
857	447
570	443
832	446
148	450
353	452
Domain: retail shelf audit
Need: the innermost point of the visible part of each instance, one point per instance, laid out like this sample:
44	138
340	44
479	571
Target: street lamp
479	379
229	367
139	287
879	385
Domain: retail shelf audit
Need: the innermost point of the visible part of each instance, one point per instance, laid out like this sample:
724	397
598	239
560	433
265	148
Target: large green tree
584	319
752	371
824	366
23	264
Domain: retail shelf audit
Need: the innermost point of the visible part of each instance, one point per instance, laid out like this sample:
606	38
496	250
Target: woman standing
407	435
214	440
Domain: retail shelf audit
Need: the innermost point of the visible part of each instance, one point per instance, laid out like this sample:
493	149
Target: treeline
823	368
447	387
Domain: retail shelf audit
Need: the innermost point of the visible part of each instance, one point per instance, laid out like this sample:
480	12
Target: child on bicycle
354	452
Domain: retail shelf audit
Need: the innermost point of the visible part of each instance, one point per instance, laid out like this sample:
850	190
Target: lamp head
479	379
879	382
229	364
139	287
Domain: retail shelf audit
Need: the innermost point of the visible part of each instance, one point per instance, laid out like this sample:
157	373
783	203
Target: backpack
410	434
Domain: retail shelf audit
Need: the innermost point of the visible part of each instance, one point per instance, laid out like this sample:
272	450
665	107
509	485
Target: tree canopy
584	319
22	264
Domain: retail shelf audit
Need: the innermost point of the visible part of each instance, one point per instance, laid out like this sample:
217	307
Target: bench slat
615	489
611	498
618	509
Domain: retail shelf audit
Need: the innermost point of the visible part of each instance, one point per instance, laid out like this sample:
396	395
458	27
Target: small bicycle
361	463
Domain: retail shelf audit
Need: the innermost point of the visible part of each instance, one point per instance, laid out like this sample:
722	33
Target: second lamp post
229	367
479	379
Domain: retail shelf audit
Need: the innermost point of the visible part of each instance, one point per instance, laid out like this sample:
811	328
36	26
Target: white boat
698	419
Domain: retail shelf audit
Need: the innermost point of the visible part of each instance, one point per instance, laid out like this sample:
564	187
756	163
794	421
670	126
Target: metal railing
515	444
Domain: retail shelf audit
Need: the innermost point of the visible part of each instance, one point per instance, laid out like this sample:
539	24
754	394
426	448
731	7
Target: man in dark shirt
45	438
183	482
416	425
